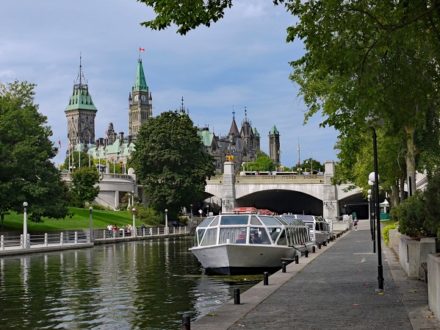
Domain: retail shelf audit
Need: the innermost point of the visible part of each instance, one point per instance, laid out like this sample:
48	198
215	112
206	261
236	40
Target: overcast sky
243	60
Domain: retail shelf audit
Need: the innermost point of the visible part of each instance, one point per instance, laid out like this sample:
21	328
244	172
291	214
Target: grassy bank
79	219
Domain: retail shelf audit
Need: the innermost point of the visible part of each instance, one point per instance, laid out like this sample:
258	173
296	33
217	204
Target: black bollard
324	243
266	278
313	249
296	258
236	296
306	253
319	246
283	266
186	321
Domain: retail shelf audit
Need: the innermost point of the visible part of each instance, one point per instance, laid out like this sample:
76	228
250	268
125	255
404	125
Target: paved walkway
335	290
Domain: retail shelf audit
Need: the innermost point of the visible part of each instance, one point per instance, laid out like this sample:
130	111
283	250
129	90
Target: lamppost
133	230
370	217
25	240
191	212
132	198
375	179
166	221
90	224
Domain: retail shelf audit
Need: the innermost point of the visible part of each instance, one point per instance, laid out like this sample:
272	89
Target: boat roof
248	219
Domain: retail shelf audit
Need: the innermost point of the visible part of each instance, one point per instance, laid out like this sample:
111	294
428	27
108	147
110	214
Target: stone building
274	145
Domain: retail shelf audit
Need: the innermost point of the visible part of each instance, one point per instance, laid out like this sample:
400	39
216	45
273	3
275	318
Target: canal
135	285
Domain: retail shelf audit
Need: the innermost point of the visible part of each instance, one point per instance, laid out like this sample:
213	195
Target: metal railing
9	242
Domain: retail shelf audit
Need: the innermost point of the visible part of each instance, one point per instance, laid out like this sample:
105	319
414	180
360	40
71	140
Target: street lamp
370	217
25	240
374	177
132	198
133	230
90	224
166	221
191	212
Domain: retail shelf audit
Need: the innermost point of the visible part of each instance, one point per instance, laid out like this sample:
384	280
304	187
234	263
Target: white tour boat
247	243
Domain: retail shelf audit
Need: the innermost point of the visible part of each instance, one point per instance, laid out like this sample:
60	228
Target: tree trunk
395	194
410	160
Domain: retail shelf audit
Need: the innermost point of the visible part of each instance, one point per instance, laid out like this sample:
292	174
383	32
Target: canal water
133	285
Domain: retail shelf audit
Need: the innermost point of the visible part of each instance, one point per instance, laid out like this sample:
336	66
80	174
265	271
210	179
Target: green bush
411	215
432	199
149	216
386	231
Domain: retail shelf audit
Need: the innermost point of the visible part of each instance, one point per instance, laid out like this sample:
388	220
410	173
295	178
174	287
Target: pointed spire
234	129
245	113
140	83
182	106
80	79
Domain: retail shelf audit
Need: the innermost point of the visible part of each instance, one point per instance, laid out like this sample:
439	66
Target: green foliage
149	216
386	231
75	160
171	162
78	219
83	188
26	171
411	215
262	163
432	199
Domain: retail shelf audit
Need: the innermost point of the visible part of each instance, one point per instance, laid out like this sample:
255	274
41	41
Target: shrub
411	215
432	198
148	216
386	232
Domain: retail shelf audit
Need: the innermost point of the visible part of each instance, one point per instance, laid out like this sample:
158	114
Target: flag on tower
141	49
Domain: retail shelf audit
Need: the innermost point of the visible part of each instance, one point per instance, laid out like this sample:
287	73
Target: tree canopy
84	186
26	171
171	162
262	163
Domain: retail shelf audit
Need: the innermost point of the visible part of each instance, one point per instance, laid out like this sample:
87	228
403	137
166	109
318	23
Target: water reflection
137	285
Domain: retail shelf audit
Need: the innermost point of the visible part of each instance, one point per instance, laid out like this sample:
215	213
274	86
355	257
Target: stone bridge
313	194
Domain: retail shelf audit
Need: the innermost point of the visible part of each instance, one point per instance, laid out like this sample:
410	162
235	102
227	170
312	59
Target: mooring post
186	321
306	253
296	259
236	296
313	249
45	239
266	278
283	266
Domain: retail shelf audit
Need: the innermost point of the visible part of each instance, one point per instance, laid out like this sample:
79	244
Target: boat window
258	236
282	240
274	233
206	222
210	237
270	221
200	233
233	234
234	220
310	225
214	223
255	221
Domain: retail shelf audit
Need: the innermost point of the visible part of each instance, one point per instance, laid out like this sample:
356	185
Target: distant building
274	145
115	148
243	145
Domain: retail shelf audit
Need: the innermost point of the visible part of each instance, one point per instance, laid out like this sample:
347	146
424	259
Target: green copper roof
206	137
256	132
140	84
274	130
81	99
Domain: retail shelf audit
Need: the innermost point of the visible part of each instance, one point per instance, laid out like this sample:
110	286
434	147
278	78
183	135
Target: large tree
171	162
26	171
84	186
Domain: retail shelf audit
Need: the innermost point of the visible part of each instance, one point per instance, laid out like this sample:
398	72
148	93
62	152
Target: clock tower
140	102
80	113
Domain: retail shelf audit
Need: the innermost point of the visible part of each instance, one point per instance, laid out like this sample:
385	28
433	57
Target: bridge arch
282	201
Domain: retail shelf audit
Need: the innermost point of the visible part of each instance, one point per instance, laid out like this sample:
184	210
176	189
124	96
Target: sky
240	61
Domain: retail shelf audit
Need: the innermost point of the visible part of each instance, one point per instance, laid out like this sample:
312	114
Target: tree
171	162
369	59
262	163
26	171
78	159
84	186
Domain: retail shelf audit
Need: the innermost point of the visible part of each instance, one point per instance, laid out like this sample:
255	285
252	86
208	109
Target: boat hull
232	259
